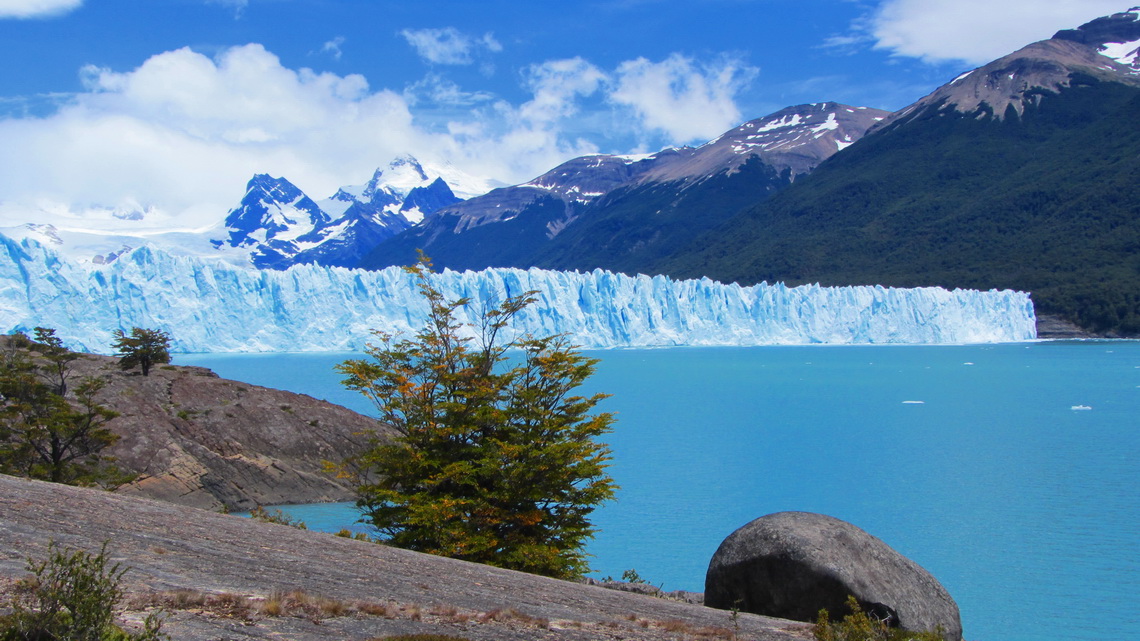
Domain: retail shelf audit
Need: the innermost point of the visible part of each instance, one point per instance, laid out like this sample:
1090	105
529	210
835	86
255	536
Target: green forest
1046	201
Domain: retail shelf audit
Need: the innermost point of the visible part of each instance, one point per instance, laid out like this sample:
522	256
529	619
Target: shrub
259	513
861	626
73	595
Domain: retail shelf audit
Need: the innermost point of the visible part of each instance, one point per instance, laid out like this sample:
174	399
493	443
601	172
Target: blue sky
171	105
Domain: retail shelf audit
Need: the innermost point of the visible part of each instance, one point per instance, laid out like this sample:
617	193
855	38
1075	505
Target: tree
494	460
45	434
142	348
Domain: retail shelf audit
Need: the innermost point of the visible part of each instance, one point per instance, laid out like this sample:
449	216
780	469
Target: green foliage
73	597
631	576
495	460
141	348
860	626
49	429
278	517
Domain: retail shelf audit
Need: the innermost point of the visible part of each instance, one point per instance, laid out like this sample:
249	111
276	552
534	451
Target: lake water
978	462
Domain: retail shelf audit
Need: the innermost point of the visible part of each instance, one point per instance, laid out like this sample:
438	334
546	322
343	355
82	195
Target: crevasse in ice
209	306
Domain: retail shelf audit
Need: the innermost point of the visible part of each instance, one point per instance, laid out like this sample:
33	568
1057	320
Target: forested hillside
1047	201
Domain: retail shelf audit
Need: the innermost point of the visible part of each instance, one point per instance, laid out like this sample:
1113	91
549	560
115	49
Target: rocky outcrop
176	557
199	440
793	564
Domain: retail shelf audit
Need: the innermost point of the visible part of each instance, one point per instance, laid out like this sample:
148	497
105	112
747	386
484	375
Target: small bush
73	595
860	626
276	516
631	576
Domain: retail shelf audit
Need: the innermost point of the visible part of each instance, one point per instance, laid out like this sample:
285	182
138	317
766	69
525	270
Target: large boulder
792	564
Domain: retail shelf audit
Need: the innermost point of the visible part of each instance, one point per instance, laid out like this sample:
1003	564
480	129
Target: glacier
213	306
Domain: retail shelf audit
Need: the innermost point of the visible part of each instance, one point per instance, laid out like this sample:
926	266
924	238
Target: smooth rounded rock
793	564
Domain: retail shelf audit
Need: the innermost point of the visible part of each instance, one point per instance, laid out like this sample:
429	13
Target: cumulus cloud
974	31
682	98
36	8
557	85
183	132
449	46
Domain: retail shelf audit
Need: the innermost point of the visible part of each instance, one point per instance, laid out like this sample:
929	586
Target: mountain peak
1020	78
1116	36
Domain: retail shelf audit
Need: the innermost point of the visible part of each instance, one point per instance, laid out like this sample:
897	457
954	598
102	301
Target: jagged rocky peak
1116	36
272	207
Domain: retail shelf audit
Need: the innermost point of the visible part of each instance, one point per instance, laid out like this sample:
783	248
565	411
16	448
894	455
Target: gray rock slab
792	564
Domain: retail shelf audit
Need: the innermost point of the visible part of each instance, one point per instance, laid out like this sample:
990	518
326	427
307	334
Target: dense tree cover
1045	202
632	228
495	459
49	429
142	348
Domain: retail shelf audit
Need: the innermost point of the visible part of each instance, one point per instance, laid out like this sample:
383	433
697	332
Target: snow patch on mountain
1126	53
214	307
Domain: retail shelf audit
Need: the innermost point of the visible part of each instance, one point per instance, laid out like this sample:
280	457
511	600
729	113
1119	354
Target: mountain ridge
1036	192
522	223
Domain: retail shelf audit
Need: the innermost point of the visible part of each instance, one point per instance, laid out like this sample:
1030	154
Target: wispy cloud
37	8
974	31
436	89
238	6
332	47
449	46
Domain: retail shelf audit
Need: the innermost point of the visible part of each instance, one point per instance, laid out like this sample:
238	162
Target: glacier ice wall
209	306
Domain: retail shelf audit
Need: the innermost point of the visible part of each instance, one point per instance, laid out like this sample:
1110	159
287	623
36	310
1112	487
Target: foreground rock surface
792	564
199	440
217	574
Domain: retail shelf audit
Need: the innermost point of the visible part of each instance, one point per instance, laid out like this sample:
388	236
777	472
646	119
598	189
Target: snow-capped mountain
213	306
279	225
1116	36
520	225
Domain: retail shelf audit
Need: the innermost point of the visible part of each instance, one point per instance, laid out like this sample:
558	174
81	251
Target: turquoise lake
1010	472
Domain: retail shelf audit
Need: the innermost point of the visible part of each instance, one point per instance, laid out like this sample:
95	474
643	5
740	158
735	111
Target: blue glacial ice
209	306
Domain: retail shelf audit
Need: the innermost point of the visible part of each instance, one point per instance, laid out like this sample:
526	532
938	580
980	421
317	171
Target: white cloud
435	89
36	8
332	47
682	98
183	133
557	85
975	31
448	46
